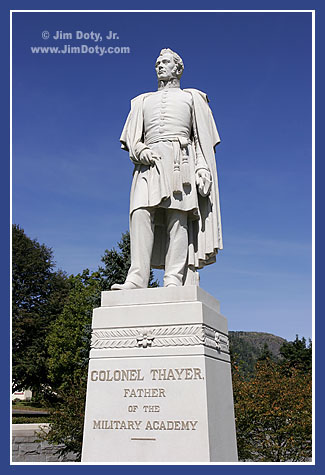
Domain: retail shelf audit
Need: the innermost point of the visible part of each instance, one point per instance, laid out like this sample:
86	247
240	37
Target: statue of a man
175	221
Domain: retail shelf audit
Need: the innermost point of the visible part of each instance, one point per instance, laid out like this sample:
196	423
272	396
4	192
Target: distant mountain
249	346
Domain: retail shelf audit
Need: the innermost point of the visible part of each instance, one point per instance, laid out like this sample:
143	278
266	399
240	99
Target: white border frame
313	12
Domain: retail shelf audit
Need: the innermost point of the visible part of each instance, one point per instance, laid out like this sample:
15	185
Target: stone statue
175	222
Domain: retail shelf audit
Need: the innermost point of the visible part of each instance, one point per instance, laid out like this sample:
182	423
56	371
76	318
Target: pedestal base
159	385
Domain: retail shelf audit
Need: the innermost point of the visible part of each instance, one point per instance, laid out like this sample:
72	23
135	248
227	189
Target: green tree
296	354
67	416
38	296
265	353
67	340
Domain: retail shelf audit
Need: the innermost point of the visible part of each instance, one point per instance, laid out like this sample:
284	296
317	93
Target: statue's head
169	65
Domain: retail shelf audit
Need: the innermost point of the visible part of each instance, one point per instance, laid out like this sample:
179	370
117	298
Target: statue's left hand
203	181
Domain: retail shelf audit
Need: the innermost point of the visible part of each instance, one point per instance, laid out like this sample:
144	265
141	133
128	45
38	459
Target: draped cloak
205	233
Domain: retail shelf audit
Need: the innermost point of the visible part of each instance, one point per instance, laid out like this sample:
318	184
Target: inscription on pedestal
140	414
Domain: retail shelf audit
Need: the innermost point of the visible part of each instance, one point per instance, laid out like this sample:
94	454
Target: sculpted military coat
204	220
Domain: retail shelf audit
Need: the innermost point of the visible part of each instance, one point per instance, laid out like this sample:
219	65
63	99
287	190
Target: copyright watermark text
91	36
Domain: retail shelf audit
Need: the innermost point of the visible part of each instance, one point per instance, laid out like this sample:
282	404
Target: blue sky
71	180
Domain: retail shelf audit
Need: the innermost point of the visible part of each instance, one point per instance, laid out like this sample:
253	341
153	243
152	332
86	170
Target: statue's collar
173	83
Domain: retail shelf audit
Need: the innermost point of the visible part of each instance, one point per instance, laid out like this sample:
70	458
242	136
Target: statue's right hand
147	157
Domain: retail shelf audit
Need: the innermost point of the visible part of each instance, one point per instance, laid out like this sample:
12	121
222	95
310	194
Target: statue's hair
178	60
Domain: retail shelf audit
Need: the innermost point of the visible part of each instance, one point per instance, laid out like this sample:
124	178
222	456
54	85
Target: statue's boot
126	286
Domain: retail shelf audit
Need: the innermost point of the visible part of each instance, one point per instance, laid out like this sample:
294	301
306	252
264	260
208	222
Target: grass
27	407
29	420
17	404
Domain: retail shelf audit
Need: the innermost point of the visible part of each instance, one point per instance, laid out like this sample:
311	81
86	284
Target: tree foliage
296	354
67	416
68	337
273	413
265	354
38	296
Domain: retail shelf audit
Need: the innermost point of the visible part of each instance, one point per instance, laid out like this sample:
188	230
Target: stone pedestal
159	385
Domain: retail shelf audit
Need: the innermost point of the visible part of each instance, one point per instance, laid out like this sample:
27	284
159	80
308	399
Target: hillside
248	346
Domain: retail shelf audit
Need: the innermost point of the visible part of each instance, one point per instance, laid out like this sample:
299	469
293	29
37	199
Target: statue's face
166	67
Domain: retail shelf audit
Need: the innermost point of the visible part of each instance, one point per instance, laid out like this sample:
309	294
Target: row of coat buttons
163	106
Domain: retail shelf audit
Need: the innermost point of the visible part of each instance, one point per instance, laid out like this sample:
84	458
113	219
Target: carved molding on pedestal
178	335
